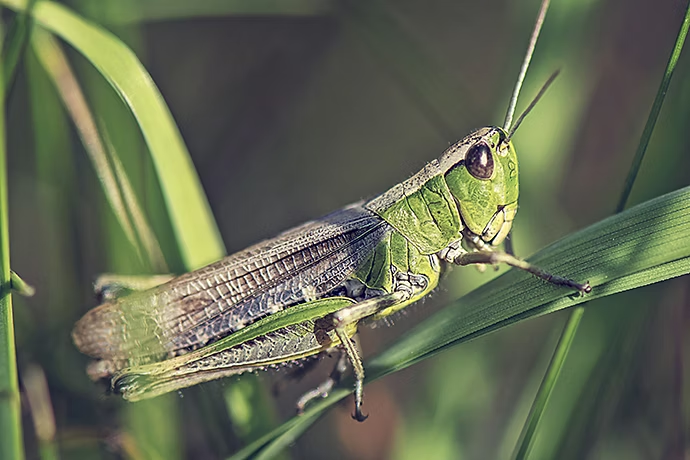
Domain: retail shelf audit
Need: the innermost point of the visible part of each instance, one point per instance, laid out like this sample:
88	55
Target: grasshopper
305	292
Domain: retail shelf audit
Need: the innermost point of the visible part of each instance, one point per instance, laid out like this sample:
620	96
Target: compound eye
479	161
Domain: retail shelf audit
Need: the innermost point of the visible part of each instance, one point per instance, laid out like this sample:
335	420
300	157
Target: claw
582	289
586	288
359	416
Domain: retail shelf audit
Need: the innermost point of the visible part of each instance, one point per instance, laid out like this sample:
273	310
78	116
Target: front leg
496	257
482	254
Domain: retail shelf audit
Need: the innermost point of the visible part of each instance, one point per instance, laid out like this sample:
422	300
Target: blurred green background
293	109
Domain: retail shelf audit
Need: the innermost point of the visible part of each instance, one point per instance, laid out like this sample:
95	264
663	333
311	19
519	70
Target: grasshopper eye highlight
479	161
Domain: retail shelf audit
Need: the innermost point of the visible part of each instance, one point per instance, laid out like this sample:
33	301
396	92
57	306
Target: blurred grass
316	96
135	11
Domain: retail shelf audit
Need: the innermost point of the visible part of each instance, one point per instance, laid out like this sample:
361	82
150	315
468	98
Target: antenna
531	105
525	65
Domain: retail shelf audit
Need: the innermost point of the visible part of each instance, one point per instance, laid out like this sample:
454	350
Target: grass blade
548	383
106	162
112	11
55	63
654	112
643	245
571	327
10	415
192	221
15	45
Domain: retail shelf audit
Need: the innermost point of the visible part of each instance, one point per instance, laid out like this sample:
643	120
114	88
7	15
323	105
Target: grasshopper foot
582	288
586	288
359	396
358	415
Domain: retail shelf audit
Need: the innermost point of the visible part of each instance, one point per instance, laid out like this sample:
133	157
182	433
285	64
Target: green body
306	291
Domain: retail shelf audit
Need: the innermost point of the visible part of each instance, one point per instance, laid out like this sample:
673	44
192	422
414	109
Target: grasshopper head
482	174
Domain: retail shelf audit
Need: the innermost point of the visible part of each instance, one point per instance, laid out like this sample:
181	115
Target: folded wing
205	305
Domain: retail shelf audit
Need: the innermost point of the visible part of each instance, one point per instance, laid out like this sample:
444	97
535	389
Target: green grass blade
55	63
548	383
570	330
55	160
10	411
643	245
106	162
21	287
194	225
565	342
15	43
160	414
114	12
654	112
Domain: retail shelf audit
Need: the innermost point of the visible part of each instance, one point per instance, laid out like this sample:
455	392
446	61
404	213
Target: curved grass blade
646	244
192	220
55	63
